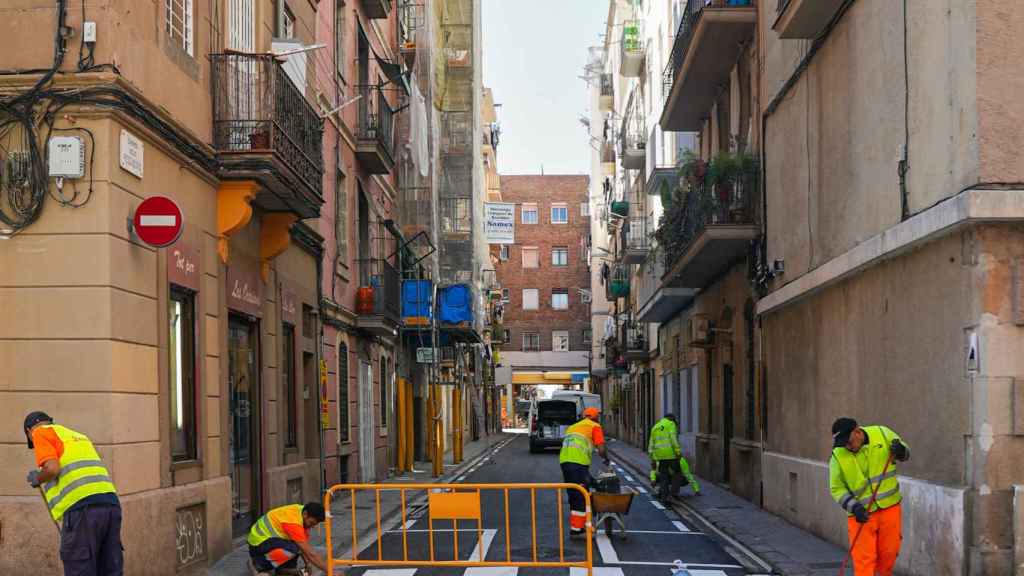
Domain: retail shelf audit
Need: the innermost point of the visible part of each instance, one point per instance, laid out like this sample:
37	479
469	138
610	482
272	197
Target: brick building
546	279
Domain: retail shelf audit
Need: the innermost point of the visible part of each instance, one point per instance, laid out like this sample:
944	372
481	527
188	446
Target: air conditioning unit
699	330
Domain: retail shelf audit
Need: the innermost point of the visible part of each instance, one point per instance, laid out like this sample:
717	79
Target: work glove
860	513
899	451
33	478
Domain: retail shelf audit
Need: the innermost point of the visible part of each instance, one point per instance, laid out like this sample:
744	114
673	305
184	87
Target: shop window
182	363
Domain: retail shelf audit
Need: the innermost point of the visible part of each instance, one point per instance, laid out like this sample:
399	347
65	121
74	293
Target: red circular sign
158	221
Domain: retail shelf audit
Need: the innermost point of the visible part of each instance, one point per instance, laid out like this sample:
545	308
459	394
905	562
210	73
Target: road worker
580	441
667	462
862	478
279	536
80	495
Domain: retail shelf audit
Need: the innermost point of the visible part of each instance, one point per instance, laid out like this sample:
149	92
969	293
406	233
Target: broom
874	493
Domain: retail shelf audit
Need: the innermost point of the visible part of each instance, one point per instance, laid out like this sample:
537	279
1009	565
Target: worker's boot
255	572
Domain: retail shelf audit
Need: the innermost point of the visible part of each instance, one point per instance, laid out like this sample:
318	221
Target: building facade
545	280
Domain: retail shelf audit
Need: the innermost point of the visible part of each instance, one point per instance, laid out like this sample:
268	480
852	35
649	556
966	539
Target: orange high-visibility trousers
879	543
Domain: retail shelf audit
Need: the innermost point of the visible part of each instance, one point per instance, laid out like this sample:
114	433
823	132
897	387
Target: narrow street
655	538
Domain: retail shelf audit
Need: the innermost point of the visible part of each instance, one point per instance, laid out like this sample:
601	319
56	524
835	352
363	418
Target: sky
534	53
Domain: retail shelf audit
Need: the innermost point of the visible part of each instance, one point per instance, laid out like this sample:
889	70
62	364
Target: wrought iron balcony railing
684	36
380	288
257	109
376	119
727	201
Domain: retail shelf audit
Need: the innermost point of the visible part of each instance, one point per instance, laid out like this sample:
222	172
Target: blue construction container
455	305
417	302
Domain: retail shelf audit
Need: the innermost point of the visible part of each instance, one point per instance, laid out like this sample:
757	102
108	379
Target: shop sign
325	415
244	288
499	223
183	265
425	355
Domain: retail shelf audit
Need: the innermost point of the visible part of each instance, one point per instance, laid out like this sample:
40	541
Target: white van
583	400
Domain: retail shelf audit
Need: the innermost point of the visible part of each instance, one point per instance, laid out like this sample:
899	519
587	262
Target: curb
751	559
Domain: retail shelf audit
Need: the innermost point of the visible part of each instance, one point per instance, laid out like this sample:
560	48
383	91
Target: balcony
378	300
638	240
804	18
662	180
606	100
376	9
410	21
632	55
636	348
265	130
456	217
375	132
657	303
617	284
712	226
633	138
705	50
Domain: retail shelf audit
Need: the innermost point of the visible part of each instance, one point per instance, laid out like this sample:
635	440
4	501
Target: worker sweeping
279	536
80	496
862	479
580	441
663	449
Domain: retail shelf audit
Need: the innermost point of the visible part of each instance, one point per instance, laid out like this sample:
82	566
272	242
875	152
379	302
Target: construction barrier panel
452	503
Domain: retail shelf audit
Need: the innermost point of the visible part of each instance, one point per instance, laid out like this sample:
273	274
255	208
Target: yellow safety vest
81	475
663	444
853	476
269	525
577	446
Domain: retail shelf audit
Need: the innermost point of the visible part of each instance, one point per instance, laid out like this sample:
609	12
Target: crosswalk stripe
657	505
598	571
604	545
485	539
640	489
707	573
391	572
491	571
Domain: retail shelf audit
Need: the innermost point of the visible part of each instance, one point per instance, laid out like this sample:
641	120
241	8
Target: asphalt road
655	536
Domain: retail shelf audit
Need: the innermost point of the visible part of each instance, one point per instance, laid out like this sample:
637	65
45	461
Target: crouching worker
279	536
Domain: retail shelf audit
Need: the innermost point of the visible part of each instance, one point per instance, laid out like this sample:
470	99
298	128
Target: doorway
244	412
726	419
367	423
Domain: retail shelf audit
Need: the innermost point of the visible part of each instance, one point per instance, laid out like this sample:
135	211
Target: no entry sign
158	221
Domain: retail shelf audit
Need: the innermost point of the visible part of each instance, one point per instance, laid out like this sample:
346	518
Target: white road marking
657	505
492	571
669	532
604	545
687	566
487	538
409	523
460	478
628	478
158	220
598	571
640	489
682	527
707	573
391	572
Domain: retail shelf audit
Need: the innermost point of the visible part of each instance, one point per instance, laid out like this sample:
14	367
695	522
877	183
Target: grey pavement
235	563
791	551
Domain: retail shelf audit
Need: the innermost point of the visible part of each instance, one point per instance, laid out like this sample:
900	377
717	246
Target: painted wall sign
499	223
289	306
183	265
244	287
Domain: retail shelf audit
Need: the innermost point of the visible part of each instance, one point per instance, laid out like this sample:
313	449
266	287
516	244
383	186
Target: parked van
548	422
583	400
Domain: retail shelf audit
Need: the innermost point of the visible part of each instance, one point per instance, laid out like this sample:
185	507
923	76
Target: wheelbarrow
610	504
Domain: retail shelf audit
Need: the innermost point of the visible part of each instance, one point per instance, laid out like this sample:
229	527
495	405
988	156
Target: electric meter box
67	156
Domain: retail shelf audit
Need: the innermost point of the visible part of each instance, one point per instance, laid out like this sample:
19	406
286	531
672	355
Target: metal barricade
455	502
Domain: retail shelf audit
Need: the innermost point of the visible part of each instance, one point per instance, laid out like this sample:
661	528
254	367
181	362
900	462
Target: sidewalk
235	563
791	551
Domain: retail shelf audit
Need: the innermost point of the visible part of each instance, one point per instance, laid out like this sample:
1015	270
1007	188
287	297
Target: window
560	341
531	342
503	252
182	363
241	25
308	321
339	38
179	24
530	299
508	336
341	213
287	22
343	423
529	213
559	213
587	337
506	295
457	215
531	257
585	209
560	298
560	256
585	295
291	409
383	391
